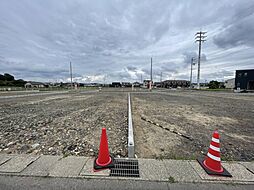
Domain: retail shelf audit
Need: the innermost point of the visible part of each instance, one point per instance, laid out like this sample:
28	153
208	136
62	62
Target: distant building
157	84
230	83
146	83
116	84
35	85
175	83
90	84
126	84
244	79
137	84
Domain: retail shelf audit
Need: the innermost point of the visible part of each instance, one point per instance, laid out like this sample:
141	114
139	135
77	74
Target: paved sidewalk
170	171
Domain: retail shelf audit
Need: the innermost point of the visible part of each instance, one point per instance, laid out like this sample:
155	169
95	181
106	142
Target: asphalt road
31	183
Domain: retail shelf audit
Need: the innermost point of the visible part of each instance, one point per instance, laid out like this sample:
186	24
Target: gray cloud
131	68
239	29
116	38
219	75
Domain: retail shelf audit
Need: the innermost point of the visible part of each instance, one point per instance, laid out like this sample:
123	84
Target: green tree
8	77
214	84
19	82
2	77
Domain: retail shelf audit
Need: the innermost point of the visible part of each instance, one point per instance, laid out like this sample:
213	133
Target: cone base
97	167
97	162
209	168
224	173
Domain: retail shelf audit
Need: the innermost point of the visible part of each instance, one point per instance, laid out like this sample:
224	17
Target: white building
230	83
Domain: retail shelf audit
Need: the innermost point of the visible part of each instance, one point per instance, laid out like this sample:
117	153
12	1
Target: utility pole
151	73
161	80
192	63
104	80
200	37
71	73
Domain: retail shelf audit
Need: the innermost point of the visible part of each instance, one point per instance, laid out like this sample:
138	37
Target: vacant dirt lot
63	124
70	123
196	114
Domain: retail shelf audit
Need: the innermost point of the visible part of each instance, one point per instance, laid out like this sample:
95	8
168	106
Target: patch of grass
65	155
226	158
171	179
174	157
216	89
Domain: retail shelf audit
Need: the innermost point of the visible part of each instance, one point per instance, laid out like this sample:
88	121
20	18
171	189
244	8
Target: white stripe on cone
215	140
213	157
214	148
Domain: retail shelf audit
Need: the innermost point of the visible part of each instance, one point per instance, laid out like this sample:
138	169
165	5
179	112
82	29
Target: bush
214	84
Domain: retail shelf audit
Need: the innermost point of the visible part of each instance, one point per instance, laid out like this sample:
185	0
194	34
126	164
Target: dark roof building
136	84
126	84
244	79
175	83
116	84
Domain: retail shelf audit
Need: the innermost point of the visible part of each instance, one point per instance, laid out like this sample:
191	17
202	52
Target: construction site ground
69	123
66	123
195	114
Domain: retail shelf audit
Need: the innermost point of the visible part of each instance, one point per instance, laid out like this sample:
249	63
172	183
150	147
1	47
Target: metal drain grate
125	168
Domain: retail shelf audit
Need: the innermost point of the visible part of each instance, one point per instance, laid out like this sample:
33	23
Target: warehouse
244	79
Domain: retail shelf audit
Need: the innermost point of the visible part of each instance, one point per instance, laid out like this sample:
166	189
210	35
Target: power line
200	38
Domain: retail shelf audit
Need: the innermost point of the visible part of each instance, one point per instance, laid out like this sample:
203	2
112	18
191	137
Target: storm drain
125	168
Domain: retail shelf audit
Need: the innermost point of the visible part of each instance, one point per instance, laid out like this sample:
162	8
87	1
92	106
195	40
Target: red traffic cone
104	160
212	162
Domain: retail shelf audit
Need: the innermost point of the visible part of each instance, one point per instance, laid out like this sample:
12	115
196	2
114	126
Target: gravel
196	114
64	124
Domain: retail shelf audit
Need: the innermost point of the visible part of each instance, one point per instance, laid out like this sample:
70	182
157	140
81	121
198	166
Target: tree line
8	80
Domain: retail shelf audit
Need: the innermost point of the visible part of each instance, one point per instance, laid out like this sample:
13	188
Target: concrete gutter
130	130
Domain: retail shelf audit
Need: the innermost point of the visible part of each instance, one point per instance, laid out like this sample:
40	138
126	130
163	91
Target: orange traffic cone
212	162
104	160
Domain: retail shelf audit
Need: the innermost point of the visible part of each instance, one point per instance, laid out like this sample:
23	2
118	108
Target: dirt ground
70	123
196	114
63	124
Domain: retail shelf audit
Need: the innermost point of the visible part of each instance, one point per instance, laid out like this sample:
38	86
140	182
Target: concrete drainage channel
127	167
130	130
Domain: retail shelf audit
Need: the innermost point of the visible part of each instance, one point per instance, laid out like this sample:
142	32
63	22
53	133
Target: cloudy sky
113	40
